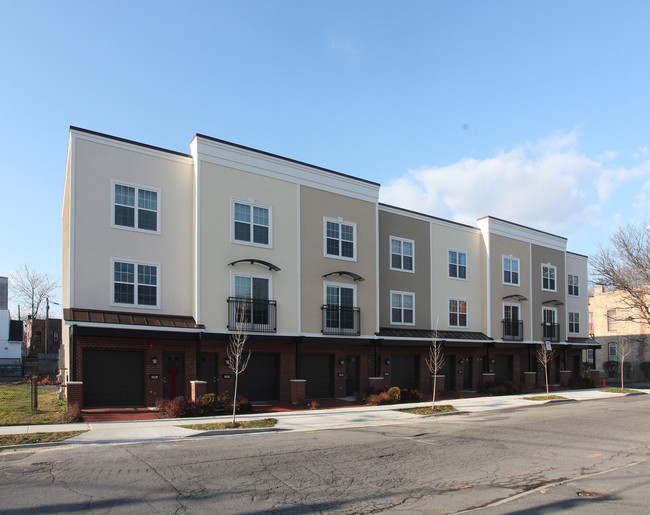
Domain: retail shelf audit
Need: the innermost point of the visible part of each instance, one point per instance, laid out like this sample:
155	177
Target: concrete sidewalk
313	420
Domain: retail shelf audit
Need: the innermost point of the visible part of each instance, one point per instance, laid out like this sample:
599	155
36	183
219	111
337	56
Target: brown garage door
113	378
405	371
259	382
318	370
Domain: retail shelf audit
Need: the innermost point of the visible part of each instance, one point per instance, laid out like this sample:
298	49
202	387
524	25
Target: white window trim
512	258
466	313
135	304
466	278
609	353
569	322
356	236
236	273
340	285
253	203
511	304
390	253
567	285
412	294
554	310
542	276
142	187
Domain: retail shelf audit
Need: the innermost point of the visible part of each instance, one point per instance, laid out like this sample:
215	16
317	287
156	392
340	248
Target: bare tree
624	348
30	288
237	360
544	356
435	361
626	267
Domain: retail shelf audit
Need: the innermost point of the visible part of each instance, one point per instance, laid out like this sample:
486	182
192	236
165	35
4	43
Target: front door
208	370
351	375
173	375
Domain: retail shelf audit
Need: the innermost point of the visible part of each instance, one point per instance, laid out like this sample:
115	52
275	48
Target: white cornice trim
492	225
277	168
133	147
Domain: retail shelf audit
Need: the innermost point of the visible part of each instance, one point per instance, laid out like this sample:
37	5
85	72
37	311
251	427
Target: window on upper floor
250	306
135	207
457	264
611	320
135	284
251	223
548	277
572	284
511	270
457	313
340	238
402	308
574	322
401	254
611	351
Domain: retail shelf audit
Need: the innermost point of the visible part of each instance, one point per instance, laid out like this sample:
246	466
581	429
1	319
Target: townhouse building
166	254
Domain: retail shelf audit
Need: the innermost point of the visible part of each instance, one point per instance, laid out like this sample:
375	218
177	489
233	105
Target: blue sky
536	111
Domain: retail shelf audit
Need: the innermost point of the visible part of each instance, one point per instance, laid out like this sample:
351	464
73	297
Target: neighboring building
11	339
610	324
35	341
162	249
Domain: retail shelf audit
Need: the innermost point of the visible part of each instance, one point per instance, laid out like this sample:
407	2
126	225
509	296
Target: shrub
313	404
208	403
394	394
509	387
411	395
378	399
73	413
611	368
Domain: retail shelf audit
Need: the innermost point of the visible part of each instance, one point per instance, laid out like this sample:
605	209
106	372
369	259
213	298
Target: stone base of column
74	393
298	391
489	378
199	389
530	380
595	377
376	385
565	377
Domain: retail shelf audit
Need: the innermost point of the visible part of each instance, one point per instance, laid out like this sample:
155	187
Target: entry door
548	315
173	375
209	374
468	374
351	375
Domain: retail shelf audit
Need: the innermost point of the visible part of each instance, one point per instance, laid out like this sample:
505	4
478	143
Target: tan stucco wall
95	241
218	185
577	265
544	255
314	206
418	282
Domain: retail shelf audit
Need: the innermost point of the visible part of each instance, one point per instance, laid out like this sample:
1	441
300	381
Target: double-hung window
251	223
135	284
548	277
611	351
511	270
340	238
611	320
402	308
457	313
457	264
135	207
572	282
574	322
401	254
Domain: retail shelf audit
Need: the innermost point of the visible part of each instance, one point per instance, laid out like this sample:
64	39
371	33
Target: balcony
551	332
252	315
513	330
340	320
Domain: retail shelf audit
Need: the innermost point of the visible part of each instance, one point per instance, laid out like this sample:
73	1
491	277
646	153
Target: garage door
259	382
318	370
113	378
405	371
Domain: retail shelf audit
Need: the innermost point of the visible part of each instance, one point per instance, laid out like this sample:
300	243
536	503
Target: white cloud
548	185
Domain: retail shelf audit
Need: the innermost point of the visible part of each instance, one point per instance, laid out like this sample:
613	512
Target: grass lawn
428	410
620	390
15	406
244	424
545	398
37	437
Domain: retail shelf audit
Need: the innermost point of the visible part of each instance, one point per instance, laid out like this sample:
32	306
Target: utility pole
47	318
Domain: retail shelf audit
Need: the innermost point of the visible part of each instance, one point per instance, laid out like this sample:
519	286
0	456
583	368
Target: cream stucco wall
315	205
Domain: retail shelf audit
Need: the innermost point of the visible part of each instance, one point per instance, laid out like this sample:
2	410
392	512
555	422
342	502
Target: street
587	457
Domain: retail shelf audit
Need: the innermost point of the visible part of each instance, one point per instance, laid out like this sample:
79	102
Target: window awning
254	261
351	275
553	303
517	297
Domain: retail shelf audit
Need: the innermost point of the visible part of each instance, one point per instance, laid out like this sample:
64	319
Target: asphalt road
587	457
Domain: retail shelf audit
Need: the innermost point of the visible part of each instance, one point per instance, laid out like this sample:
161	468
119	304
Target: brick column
489	378
298	391
595	377
565	376
74	393
440	383
530	380
376	384
199	389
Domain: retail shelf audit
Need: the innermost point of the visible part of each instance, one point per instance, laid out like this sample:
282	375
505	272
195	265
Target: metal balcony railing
254	315
340	320
551	332
513	330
